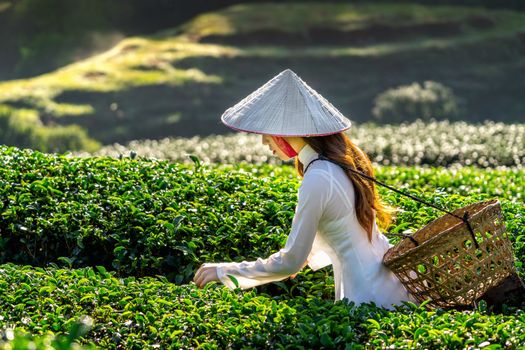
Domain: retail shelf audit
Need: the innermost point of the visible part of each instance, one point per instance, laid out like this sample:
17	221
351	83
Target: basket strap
405	235
417	199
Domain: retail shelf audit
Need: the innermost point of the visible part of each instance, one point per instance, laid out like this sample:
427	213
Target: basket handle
405	235
465	217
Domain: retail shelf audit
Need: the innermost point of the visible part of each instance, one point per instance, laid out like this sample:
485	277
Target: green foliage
431	100
22	341
487	145
437	329
137	216
442	143
16	127
177	82
42	44
23	128
132	217
146	217
153	313
62	139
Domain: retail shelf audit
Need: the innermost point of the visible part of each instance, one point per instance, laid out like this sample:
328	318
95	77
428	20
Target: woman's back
359	274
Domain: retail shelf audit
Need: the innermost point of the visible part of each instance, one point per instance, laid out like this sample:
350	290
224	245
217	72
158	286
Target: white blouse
325	231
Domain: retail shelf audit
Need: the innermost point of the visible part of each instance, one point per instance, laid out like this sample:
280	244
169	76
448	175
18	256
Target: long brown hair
340	148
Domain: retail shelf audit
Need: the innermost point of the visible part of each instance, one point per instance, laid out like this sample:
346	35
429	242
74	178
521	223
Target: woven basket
446	267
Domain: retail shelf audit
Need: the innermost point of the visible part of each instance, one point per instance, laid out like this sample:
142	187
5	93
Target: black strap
344	166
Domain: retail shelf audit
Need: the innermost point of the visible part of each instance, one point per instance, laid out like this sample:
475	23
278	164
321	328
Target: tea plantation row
149	313
139	217
418	143
21	339
147	217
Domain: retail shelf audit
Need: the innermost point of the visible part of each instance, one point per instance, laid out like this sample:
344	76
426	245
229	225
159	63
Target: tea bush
146	217
24	128
486	145
150	313
19	340
410	102
136	217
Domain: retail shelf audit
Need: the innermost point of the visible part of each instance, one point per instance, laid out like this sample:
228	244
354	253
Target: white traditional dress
325	231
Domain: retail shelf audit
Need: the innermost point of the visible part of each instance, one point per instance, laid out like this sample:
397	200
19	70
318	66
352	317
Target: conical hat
286	106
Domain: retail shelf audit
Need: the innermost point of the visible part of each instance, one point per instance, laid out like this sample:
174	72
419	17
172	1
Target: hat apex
285	106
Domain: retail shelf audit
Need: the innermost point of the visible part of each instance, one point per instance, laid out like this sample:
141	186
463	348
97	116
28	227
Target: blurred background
81	75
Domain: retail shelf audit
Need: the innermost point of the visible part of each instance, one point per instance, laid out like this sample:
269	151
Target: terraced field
178	82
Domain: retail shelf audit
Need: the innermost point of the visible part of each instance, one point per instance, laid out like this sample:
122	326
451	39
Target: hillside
178	82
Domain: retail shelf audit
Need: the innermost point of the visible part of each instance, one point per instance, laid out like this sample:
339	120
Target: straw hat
286	106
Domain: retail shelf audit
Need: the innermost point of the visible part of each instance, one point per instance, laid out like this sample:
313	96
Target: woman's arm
312	198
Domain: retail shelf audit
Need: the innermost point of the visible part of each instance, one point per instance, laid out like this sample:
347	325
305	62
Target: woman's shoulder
317	169
328	175
320	175
324	168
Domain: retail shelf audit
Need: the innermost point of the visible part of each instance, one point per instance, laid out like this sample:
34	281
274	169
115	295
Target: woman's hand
205	274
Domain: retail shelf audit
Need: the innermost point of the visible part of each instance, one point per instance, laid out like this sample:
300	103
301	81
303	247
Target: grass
300	17
4	6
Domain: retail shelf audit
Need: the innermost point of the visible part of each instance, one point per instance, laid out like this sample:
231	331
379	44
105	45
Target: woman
335	218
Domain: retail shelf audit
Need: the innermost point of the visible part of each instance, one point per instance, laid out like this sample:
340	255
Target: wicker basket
446	267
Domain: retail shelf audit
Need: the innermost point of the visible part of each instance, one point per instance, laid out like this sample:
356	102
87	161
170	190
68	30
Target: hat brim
285	135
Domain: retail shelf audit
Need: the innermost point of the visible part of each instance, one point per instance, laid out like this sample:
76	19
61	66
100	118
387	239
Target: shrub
415	101
17	127
150	313
23	128
146	217
63	138
136	216
486	145
141	216
19	340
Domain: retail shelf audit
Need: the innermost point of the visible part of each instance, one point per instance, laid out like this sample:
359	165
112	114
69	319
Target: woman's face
267	140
